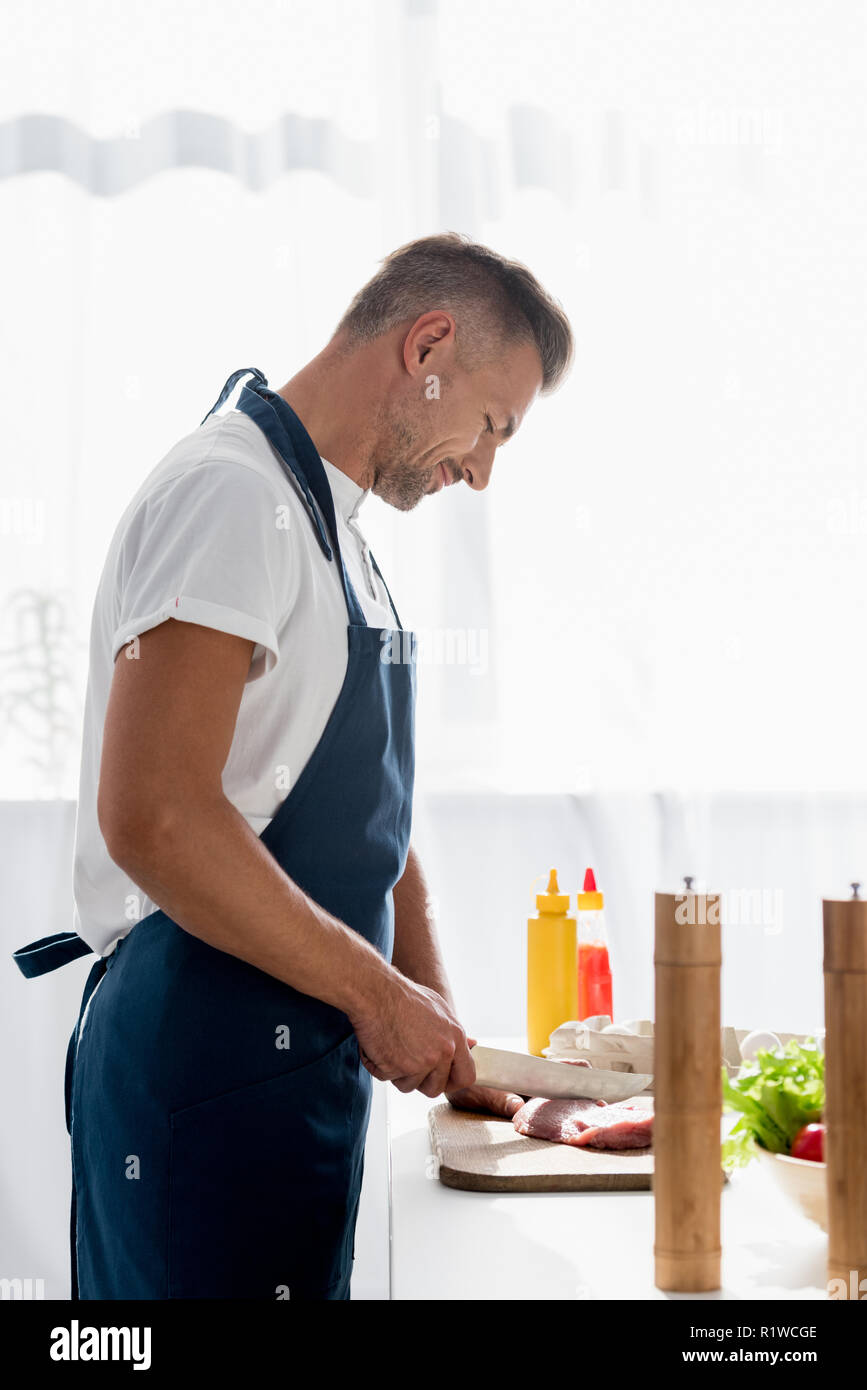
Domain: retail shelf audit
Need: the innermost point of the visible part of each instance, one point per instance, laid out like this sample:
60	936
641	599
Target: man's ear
435	329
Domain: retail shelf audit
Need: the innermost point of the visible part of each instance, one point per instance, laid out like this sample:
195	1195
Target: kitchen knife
535	1076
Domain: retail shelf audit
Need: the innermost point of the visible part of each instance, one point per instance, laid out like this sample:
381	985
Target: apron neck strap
300	459
231	384
387	590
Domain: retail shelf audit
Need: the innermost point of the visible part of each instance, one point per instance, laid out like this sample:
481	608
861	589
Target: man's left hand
486	1099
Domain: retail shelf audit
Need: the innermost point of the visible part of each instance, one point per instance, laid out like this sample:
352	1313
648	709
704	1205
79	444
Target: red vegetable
810	1143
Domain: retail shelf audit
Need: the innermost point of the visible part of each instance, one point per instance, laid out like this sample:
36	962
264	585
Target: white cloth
218	535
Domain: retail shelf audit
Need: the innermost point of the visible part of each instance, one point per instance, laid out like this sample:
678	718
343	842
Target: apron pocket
263	1184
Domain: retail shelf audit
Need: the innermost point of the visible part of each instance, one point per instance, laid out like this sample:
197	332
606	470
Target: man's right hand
409	1036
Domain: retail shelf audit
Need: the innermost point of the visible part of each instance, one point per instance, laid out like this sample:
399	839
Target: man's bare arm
417	954
167	822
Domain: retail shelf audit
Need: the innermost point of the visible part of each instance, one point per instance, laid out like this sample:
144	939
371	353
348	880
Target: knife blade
536	1076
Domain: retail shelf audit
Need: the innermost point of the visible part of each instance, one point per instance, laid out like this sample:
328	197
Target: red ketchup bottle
594	969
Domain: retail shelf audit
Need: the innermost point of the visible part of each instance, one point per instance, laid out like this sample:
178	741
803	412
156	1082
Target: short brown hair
495	301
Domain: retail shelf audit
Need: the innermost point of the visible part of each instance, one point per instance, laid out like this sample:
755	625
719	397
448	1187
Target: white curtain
661	588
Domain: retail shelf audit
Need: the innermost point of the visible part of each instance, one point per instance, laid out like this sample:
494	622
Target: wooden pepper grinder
687	1168
845	932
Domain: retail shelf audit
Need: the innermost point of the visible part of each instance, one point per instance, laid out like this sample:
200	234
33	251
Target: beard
396	480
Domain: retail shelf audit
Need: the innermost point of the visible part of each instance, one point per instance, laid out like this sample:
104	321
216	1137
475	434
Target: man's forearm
416	947
212	875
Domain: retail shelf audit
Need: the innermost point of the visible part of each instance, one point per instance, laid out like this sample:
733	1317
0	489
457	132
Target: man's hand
498	1102
486	1099
408	1035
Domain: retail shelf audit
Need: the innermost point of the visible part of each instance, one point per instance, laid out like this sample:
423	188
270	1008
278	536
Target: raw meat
586	1124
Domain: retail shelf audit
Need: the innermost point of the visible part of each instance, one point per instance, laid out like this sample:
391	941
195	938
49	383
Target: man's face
447	423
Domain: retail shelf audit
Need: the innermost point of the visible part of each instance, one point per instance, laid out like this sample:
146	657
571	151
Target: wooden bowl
803	1182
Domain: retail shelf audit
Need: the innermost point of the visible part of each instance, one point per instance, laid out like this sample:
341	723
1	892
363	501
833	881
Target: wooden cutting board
480	1153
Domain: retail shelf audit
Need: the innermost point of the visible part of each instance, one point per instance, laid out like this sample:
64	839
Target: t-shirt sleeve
208	547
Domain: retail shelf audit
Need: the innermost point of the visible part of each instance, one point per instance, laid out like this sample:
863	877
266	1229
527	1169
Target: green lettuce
775	1097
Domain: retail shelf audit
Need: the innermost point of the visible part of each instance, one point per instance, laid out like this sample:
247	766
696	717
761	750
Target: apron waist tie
49	953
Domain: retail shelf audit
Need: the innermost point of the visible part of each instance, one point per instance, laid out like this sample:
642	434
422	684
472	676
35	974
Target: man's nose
477	467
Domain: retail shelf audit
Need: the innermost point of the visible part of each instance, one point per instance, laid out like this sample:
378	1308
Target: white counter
447	1244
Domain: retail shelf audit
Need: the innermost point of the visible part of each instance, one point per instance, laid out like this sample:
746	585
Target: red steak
586	1124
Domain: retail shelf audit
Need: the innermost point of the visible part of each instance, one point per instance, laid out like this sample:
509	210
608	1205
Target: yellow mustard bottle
552	967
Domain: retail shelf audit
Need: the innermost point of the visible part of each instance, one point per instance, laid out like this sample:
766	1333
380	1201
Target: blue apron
217	1116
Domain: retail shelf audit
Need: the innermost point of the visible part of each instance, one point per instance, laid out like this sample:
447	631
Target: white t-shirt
218	535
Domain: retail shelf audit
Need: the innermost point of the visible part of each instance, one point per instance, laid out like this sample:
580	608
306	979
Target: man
243	865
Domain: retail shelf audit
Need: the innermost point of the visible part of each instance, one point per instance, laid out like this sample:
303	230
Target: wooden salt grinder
687	1168
845	933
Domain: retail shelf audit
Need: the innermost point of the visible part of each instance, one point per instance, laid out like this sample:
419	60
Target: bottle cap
590	900
553	900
